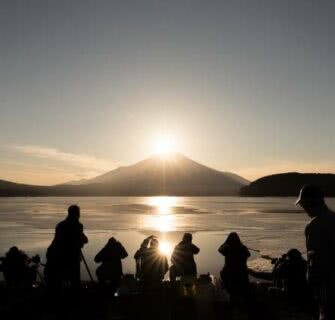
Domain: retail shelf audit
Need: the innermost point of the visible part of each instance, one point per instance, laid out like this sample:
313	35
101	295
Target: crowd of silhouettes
64	255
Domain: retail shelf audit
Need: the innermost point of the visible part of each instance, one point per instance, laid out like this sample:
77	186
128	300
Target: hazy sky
243	86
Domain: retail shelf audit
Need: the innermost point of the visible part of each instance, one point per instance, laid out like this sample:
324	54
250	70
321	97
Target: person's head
13	250
233	239
154	243
284	256
187	237
294	254
112	241
311	199
73	212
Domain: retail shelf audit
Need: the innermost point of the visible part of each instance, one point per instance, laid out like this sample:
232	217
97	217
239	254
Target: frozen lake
272	225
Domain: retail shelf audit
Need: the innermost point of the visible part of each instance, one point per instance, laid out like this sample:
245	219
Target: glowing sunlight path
162	220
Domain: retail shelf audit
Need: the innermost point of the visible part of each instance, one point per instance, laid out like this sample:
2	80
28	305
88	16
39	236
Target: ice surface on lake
271	225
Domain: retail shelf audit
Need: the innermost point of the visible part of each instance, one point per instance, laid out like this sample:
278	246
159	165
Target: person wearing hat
320	245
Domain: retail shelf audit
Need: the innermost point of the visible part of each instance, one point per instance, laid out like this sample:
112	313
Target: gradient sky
243	86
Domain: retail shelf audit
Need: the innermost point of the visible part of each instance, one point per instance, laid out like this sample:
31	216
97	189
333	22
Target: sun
165	248
165	145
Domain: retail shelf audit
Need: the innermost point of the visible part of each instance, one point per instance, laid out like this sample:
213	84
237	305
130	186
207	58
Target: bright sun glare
165	248
164	145
163	205
162	219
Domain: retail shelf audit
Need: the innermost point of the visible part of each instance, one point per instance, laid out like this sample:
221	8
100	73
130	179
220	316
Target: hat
309	192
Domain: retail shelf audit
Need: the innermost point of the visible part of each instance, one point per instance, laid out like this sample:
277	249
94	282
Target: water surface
271	225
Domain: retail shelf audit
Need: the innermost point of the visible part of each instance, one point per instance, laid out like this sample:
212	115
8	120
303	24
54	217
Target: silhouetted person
17	269
64	253
277	271
234	274
320	244
182	258
151	265
293	273
110	270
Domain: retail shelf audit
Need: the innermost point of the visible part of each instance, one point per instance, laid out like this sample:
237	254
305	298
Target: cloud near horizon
82	161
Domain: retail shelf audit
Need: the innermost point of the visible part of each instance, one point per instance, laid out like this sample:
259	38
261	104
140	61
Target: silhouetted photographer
18	269
64	253
320	244
234	274
110	256
182	258
151	264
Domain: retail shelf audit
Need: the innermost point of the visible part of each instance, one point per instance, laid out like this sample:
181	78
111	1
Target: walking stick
86	265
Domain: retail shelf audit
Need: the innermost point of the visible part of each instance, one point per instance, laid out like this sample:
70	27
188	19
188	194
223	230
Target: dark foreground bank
169	301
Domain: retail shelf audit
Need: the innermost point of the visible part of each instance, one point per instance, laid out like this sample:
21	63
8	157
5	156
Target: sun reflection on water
162	220
161	223
164	205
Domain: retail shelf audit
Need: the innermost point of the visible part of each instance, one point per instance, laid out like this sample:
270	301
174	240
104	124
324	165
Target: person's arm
144	246
166	265
139	253
123	252
173	256
98	257
222	249
195	249
84	239
247	252
316	267
146	241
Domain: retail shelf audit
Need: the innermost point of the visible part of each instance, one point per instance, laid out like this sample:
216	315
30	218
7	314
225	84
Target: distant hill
8	188
289	184
237	178
173	175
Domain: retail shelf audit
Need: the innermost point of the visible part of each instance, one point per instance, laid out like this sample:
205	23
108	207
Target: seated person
110	257
17	269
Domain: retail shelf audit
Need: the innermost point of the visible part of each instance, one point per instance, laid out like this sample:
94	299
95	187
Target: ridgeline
175	175
289	184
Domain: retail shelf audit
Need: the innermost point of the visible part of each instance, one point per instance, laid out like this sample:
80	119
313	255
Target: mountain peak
168	174
172	174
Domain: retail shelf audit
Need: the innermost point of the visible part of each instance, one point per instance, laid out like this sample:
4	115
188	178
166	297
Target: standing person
64	253
182	258
234	274
151	265
110	257
320	244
